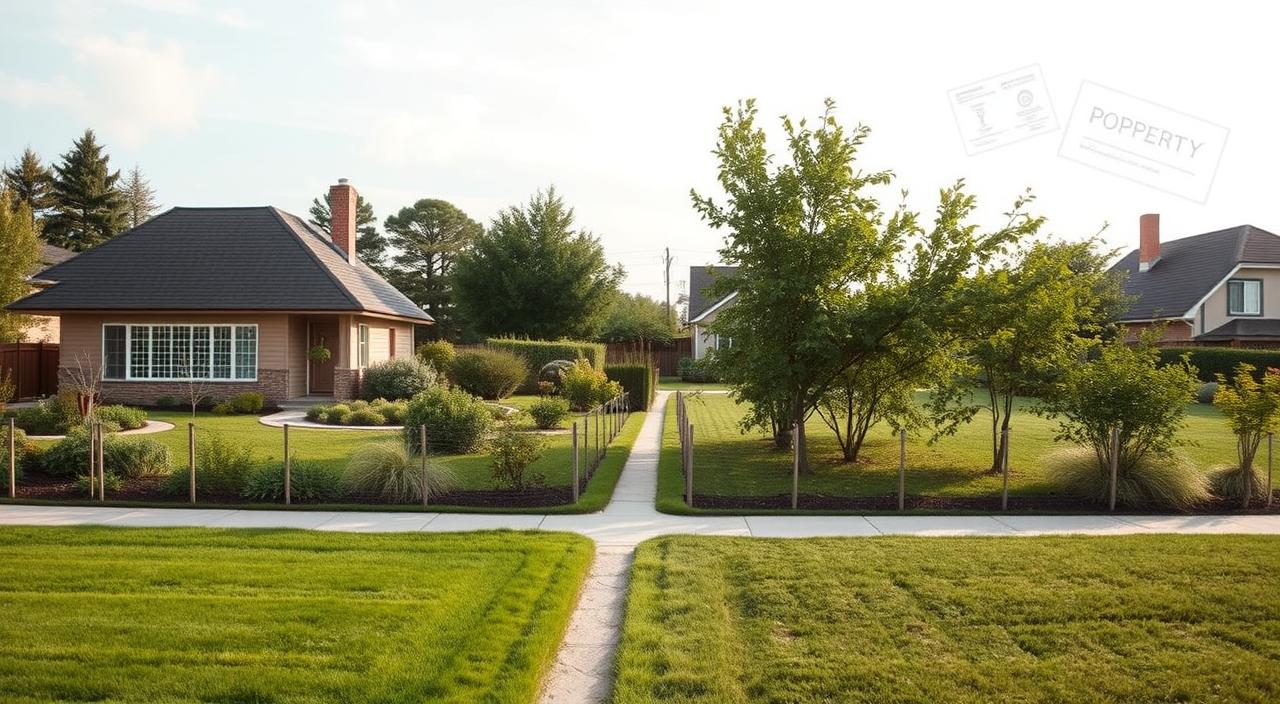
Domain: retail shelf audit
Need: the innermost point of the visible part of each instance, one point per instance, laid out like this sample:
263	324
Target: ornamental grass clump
1252	410
386	471
1127	389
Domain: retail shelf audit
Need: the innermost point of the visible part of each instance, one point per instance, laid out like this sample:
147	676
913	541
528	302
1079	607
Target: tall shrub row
538	353
638	380
1212	361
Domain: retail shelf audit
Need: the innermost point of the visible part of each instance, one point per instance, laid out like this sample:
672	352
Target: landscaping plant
551	376
1252	410
388	472
247	402
308	482
537	354
126	457
1125	387
489	373
121	417
586	387
222	469
698	371
512	452
549	412
456	421
639	380
364	416
396	379
438	354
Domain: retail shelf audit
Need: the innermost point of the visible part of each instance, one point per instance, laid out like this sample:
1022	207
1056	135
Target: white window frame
1244	297
362	345
128	352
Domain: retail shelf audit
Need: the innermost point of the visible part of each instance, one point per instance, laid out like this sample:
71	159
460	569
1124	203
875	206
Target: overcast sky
617	103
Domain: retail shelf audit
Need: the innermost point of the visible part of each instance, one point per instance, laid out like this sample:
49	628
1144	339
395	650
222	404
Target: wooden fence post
575	462
102	465
1004	468
13	461
902	469
688	475
795	466
1115	466
191	458
288	469
422	447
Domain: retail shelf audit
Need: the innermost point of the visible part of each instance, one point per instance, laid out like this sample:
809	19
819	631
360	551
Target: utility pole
666	278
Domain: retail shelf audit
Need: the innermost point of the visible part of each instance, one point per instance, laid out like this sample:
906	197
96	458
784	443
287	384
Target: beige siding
42	330
380	338
297	355
379	343
1215	306
82	333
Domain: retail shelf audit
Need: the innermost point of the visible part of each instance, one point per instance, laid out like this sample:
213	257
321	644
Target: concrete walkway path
583	668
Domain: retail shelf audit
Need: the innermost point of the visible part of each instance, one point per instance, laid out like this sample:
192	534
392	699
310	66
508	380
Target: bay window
180	352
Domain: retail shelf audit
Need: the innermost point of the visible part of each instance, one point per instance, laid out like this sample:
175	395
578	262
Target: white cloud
129	87
227	16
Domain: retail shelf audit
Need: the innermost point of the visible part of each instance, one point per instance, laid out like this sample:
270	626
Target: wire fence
515	465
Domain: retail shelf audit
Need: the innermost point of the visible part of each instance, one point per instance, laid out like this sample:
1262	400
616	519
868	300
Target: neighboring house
234	296
43	328
1220	288
703	307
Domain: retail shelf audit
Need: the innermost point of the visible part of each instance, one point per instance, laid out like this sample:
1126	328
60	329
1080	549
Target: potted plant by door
319	353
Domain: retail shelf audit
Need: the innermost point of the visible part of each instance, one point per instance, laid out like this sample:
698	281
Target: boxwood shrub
1210	361
395	379
537	353
638	380
456	421
491	374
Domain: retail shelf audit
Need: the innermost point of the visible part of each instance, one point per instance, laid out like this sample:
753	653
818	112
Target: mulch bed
986	504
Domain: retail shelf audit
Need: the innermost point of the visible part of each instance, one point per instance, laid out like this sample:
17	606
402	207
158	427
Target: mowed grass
729	462
143	615
1156	618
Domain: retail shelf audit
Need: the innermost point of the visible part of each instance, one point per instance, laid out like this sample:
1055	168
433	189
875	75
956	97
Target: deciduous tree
637	318
19	256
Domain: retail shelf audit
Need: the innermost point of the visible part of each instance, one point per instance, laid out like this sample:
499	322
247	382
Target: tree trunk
802	444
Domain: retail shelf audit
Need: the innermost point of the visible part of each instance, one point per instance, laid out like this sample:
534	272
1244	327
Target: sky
617	104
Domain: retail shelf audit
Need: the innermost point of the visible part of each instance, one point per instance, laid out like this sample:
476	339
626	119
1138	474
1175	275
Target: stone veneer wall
346	384
272	384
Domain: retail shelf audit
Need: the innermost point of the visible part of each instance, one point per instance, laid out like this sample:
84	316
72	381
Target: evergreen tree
532	274
19	256
371	246
30	181
139	198
88	208
428	237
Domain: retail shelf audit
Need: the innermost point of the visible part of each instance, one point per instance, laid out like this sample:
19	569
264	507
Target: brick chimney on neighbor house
1148	241
342	217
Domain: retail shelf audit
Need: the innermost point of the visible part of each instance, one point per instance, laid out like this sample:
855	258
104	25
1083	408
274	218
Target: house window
1244	297
364	346
114	351
180	352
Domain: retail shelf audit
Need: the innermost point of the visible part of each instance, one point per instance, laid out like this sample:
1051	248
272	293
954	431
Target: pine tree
88	209
30	181
19	255
371	246
139	198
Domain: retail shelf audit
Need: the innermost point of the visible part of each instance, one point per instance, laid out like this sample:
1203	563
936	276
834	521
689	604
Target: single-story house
703	307
45	328
236	297
1219	288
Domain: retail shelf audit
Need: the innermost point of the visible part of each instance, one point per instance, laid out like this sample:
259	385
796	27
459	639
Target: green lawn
673	383
334	447
727	462
1083	619
139	615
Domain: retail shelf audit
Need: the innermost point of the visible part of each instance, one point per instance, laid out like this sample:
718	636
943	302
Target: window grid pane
200	351
140	352
113	352
222	352
182	363
246	352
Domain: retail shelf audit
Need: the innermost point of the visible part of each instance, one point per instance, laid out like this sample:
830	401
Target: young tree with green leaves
371	246
19	256
88	208
533	274
1252	410
824	279
639	319
139	197
429	236
30	182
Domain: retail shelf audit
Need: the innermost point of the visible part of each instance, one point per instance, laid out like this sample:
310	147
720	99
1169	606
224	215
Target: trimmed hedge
1221	360
639	380
538	352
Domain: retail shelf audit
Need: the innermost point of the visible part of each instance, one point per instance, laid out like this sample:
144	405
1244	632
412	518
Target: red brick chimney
1148	241
342	220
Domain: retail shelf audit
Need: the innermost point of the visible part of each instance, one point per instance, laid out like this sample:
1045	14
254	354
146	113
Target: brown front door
323	333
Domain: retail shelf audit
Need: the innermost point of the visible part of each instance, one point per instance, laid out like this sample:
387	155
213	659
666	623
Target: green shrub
698	371
551	376
1155	481
123	417
1228	483
1212	361
397	379
47	417
586	387
124	457
537	353
456	421
167	402
364	416
1252	410
438	355
511	453
247	402
639	381
111	482
223	408
386	471
549	412
222	469
26	452
1206	392
393	411
318	413
491	374
359	405
308	482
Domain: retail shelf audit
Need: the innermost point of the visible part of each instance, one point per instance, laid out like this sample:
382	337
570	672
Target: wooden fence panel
665	357
33	366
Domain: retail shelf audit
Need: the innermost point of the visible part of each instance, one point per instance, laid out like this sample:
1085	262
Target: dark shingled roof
700	280
1244	328
257	258
1190	267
